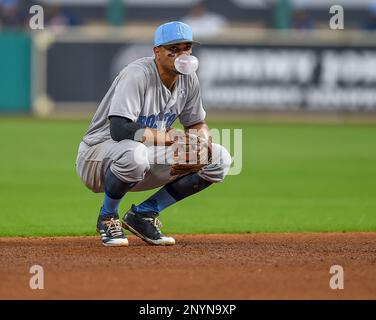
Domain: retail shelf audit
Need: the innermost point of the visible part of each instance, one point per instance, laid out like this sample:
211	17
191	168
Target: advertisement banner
232	76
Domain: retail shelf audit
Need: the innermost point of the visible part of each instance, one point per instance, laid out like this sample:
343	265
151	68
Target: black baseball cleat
109	227
146	226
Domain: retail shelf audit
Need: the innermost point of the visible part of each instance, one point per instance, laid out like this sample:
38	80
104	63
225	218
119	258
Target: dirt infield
252	266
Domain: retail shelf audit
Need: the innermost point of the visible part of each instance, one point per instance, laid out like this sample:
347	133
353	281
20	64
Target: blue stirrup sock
156	203
173	192
110	206
114	191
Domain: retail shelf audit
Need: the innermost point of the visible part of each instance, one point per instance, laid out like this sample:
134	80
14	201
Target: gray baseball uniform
138	93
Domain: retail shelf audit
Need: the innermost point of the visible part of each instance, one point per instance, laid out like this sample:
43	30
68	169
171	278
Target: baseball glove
191	153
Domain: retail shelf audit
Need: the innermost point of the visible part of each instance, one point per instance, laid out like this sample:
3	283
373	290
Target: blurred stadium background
261	61
274	55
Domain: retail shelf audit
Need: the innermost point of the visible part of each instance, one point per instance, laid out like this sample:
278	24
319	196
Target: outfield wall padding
15	69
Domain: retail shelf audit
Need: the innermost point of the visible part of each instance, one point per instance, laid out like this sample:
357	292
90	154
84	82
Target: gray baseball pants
133	162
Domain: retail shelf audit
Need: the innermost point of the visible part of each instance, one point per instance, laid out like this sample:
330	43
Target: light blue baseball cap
173	32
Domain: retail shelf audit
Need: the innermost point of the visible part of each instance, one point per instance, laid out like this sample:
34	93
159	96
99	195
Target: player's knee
139	160
217	170
133	164
222	159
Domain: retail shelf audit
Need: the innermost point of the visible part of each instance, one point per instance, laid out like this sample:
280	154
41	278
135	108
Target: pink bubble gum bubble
186	64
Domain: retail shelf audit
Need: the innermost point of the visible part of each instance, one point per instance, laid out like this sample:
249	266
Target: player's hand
172	136
191	153
153	137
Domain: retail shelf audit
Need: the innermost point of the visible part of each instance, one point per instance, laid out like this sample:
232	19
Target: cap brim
180	41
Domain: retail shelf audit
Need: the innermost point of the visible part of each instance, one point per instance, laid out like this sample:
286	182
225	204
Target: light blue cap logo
173	32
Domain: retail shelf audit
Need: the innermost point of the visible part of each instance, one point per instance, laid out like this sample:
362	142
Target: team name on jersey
152	120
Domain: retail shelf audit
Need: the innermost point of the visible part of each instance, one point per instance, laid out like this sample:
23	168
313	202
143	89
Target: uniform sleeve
193	111
128	97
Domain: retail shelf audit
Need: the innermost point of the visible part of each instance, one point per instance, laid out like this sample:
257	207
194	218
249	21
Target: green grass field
295	178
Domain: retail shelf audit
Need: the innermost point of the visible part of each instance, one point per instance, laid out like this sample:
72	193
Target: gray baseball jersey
138	93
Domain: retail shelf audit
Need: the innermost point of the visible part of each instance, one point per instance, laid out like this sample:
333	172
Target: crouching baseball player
130	145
